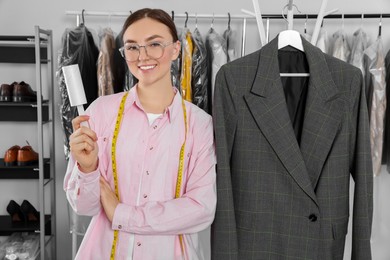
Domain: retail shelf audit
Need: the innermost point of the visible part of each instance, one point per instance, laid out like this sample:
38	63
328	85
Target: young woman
145	166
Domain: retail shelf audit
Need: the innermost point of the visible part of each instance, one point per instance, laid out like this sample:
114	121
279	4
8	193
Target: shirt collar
172	110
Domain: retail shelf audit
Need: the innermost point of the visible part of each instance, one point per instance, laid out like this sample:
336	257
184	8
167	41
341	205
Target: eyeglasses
154	50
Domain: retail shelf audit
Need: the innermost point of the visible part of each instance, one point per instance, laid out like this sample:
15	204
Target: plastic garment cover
185	79
105	62
376	65
176	65
217	56
359	44
322	41
230	37
341	48
122	77
386	146
199	72
78	47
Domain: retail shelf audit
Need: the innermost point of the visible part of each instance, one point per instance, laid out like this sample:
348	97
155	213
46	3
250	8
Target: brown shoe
11	155
6	92
24	93
26	156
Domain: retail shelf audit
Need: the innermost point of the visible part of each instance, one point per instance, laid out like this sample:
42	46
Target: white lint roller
75	87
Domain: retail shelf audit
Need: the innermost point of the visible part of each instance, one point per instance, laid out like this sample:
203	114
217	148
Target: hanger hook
212	21
173	15
185	23
196	20
342	21
229	19
82	16
296	7
131	12
380	26
361	20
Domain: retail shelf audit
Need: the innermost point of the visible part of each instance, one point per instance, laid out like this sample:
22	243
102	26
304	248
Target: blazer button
313	217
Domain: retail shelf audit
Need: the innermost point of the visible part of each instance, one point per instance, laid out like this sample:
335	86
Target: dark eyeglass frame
163	45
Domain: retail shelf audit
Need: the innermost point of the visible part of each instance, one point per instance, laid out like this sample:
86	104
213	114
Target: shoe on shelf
10	156
6	92
26	156
29	211
23	93
15	211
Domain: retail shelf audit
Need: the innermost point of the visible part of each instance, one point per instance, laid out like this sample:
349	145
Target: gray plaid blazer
279	200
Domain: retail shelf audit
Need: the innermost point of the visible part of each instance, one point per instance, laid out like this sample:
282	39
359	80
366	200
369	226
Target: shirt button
151	148
138	243
147	172
145	196
119	226
154	127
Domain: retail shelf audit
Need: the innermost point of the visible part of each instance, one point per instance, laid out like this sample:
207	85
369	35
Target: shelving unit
36	50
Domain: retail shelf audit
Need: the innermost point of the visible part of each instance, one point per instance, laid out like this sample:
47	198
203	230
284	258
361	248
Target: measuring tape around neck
115	174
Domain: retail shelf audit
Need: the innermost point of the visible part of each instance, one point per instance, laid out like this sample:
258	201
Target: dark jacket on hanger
279	200
78	47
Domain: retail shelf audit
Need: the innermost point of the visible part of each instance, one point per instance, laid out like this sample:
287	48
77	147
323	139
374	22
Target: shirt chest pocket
104	143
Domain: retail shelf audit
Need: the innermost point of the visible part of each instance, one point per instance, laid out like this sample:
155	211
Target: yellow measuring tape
114	169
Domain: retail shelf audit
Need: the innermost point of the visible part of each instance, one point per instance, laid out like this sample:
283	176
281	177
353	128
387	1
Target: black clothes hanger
185	23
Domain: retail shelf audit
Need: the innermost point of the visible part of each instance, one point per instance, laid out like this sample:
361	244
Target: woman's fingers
76	122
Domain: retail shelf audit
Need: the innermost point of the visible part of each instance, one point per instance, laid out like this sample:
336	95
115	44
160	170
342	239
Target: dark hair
155	14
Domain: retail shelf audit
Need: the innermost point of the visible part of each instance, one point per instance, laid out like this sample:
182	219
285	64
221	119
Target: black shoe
15	212
29	211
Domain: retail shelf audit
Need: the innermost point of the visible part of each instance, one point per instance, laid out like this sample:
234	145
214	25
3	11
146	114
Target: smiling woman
145	169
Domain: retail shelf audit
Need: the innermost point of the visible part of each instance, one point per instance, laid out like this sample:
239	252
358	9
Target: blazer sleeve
223	232
362	172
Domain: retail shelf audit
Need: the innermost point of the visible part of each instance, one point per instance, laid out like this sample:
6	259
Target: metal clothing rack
242	17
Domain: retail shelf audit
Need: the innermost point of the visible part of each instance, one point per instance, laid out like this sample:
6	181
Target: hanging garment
278	199
229	37
322	41
78	47
123	79
199	72
176	64
386	143
217	56
341	48
359	44
186	72
377	90
105	62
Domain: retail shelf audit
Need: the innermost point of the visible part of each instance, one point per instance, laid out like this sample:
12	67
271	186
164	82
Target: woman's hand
83	145
108	199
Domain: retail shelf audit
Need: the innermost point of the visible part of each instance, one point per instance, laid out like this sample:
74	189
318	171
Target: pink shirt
148	217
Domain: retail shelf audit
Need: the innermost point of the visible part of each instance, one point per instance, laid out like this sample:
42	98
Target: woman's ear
176	50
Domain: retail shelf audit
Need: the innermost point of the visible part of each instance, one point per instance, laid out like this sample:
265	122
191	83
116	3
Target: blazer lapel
322	113
267	104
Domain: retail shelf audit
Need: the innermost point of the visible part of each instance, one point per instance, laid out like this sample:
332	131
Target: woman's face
148	68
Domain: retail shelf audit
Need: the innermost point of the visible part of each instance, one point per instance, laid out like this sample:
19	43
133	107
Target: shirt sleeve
192	212
82	190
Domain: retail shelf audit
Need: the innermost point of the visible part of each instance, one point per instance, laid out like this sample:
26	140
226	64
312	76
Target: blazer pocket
340	229
244	220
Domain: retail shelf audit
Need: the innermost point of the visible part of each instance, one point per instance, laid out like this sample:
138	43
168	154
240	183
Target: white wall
19	18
